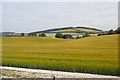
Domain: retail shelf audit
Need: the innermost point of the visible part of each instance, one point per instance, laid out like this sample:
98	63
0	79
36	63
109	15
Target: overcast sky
35	16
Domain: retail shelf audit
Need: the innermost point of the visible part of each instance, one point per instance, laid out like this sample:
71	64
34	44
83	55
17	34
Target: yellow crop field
97	55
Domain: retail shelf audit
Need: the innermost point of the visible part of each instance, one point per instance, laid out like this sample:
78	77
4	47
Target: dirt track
13	72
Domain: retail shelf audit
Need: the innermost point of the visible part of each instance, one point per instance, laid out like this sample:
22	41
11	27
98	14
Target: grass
53	34
97	55
73	34
75	29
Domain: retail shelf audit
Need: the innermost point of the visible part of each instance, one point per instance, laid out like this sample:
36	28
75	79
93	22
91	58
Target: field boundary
58	73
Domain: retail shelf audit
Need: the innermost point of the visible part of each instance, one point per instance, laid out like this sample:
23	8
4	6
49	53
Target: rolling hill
71	30
96	55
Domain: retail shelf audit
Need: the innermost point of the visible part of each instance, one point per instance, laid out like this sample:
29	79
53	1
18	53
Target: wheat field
96	55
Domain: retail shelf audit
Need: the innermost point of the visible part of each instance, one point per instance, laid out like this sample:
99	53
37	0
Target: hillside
97	55
10	33
71	30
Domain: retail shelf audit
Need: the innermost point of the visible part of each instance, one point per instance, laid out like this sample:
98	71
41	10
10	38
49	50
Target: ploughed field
97	55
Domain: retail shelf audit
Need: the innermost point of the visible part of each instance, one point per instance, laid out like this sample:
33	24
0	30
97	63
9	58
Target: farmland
74	31
71	30
73	34
97	55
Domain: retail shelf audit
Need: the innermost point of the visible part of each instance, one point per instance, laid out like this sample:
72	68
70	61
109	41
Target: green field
97	55
53	34
73	34
75	29
71	30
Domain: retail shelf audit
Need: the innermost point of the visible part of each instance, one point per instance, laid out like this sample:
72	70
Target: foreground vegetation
98	55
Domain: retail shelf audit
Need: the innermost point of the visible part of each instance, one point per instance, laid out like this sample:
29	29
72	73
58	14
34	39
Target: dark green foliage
32	34
42	35
89	28
12	35
58	35
103	33
78	37
67	36
117	31
111	32
22	34
7	35
99	34
86	34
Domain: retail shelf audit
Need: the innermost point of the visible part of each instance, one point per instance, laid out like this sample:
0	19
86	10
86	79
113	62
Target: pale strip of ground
14	72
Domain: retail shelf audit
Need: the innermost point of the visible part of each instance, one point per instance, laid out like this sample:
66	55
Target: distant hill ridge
70	30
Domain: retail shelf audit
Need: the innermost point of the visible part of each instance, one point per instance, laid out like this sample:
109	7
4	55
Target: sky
60	0
37	16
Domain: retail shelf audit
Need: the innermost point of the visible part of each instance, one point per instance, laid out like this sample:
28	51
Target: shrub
86	34
111	32
32	34
67	36
117	31
78	37
99	34
58	35
22	34
42	35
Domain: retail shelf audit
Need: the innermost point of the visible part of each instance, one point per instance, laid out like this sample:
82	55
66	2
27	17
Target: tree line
35	34
117	31
59	35
69	36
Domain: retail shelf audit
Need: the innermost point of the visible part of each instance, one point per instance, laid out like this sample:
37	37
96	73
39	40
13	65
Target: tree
111	32
32	34
86	34
78	37
42	35
117	31
58	35
99	34
67	36
22	34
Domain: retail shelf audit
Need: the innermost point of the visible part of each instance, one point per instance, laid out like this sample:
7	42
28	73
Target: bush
99	34
22	34
111	32
7	35
67	36
78	37
32	34
42	35
117	31
58	35
86	34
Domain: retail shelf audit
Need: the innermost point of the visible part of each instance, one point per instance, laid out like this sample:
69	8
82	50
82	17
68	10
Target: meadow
75	29
73	34
96	55
53	34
